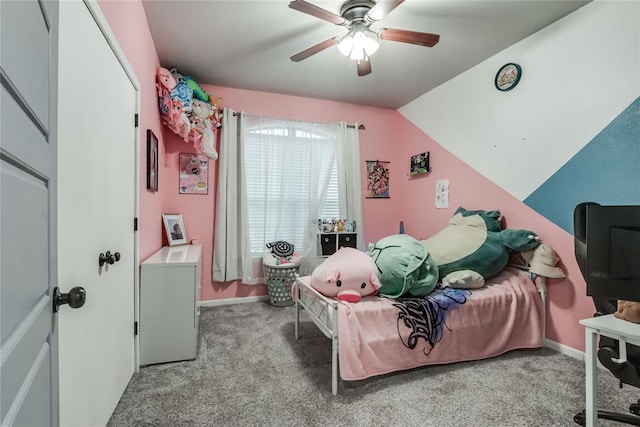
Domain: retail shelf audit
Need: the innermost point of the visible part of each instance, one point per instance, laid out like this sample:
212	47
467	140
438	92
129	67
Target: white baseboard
229	301
568	351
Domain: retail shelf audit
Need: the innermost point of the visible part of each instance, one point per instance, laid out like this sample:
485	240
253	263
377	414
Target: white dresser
169	312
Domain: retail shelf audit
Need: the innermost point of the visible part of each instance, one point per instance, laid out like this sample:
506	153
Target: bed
377	335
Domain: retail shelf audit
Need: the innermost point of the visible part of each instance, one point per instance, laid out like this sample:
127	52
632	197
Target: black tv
613	252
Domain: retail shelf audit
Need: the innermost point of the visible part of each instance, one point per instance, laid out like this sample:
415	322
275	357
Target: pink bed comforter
506	314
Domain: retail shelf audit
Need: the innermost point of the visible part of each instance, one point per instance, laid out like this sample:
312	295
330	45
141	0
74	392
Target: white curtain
349	177
231	252
286	188
288	183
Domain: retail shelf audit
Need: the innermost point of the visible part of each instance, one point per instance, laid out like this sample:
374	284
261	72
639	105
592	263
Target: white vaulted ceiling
247	44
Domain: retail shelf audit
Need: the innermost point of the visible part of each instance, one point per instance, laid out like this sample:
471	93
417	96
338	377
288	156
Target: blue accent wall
606	171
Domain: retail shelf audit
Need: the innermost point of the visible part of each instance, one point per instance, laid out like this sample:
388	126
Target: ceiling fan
359	43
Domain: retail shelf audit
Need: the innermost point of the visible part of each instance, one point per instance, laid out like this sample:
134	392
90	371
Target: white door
96	198
28	377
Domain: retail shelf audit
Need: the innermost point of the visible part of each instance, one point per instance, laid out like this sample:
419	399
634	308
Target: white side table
169	311
609	326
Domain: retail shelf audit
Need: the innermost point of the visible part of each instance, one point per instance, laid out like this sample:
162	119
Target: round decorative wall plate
508	77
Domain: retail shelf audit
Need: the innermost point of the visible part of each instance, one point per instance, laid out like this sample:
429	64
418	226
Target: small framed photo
419	164
152	161
174	227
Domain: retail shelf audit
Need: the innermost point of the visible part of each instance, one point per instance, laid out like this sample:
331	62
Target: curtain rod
360	126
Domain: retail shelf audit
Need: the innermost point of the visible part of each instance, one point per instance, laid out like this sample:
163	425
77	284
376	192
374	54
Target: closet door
96	198
28	62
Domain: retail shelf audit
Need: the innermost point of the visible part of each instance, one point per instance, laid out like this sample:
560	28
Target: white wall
578	74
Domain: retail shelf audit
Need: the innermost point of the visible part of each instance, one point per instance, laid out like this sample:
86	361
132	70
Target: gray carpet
250	371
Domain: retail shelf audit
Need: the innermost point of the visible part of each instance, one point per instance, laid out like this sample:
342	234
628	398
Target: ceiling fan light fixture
357	54
345	45
356	44
370	45
360	42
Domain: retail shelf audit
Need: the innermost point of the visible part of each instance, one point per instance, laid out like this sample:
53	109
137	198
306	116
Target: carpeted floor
250	371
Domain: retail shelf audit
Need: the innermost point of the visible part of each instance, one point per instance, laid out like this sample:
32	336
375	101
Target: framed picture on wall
419	164
152	161
174	227
194	174
377	179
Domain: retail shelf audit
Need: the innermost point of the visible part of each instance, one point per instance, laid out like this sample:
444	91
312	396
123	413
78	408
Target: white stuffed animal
201	113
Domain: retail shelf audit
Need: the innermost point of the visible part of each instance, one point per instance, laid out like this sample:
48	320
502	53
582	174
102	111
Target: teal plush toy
198	92
473	247
404	267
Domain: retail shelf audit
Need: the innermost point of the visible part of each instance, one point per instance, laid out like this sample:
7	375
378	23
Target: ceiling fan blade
318	12
381	9
315	49
364	66
405	36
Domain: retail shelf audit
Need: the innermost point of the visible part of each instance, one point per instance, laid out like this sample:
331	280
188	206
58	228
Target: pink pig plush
348	274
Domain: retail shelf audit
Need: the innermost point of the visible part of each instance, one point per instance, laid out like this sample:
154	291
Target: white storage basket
279	279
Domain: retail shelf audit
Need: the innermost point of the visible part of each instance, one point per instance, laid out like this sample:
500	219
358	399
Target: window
276	178
291	176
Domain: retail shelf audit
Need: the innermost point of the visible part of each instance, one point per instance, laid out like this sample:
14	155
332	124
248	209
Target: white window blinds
291	176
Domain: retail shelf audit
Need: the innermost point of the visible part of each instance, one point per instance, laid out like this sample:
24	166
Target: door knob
75	298
108	258
102	259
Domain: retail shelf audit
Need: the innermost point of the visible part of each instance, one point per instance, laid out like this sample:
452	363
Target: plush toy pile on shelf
188	111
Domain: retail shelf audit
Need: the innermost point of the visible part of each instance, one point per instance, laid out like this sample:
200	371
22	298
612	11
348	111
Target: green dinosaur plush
473	247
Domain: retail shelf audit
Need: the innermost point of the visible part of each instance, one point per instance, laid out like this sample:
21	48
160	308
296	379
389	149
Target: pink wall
379	141
388	136
129	24
567	300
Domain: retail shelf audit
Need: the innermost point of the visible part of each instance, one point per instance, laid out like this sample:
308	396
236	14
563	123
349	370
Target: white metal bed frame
323	311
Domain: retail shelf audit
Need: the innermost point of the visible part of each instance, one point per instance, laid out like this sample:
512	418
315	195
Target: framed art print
194	174
377	179
152	161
